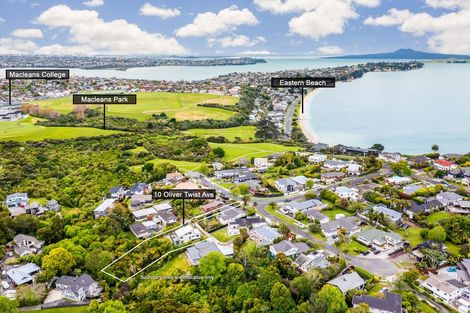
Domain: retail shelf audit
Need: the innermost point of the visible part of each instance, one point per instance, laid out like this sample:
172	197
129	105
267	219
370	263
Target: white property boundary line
198	217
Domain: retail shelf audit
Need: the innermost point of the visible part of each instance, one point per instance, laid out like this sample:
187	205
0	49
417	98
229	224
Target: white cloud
447	4
329	18
236	41
27	33
329	50
210	23
2	20
16	46
256	52
34	4
319	18
94	3
164	13
114	37
447	33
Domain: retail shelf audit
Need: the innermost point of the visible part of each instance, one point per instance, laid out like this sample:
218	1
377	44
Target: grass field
331	213
184	166
353	248
182	106
243	132
235	151
78	309
222	235
25	130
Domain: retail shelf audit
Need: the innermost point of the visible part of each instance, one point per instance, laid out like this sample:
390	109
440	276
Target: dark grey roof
391	302
316	214
201	249
166	216
248	221
138	229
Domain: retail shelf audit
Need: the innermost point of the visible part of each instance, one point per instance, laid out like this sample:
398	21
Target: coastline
309	134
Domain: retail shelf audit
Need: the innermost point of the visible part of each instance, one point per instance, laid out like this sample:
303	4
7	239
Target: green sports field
182	106
25	130
184	166
235	151
243	132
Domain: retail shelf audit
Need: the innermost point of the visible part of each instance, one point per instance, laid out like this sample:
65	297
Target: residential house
140	189
247	223
444	165
231	173
201	249
392	157
463	271
312	260
229	214
294	207
144	214
462	207
347	224
348	282
139	230
217	166
186	185
354	169
25	244
286	185
53	205
174	178
335	165
17	203
317	215
425	208
411	189
449	198
104	208
317	158
444	288
393	215
388	242
301	181
166	218
398	180
288	248
391	303
139	200
347	193
164	206
117	192
78	288
261	163
264	235
211	206
418	160
185	234
244	177
332	177
23	274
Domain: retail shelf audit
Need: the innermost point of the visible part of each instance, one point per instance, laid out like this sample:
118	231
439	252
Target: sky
232	27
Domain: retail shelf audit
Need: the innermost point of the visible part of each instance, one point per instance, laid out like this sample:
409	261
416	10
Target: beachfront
308	132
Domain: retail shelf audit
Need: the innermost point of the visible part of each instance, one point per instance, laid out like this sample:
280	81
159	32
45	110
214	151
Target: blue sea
407	112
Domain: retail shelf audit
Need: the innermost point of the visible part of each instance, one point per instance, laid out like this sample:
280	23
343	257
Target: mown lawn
242	132
236	151
353	248
436	217
26	130
222	235
182	106
331	213
412	235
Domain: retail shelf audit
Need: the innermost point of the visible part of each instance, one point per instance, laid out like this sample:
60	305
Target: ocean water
407	112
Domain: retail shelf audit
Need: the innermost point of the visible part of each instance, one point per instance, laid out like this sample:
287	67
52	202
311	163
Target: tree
401	168
281	299
58	262
148	167
204	169
212	265
437	233
432	258
219	152
435	148
378	146
7	306
361	308
334	299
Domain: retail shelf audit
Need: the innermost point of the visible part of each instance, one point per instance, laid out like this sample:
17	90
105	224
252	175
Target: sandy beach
303	118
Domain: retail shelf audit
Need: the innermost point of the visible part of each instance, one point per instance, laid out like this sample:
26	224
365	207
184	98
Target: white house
294	207
392	157
354	169
78	288
288	248
185	234
348	282
286	185
317	158
116	192
444	165
261	163
444	288
144	214
104	208
19	199
335	165
398	180
347	193
230	214
264	235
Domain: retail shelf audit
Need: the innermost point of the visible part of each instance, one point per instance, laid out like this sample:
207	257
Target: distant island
117	62
408	54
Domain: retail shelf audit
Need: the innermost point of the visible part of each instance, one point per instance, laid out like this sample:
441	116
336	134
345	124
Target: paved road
288	117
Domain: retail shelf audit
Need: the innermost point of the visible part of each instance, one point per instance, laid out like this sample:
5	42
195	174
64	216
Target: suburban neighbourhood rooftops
347	282
392	302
